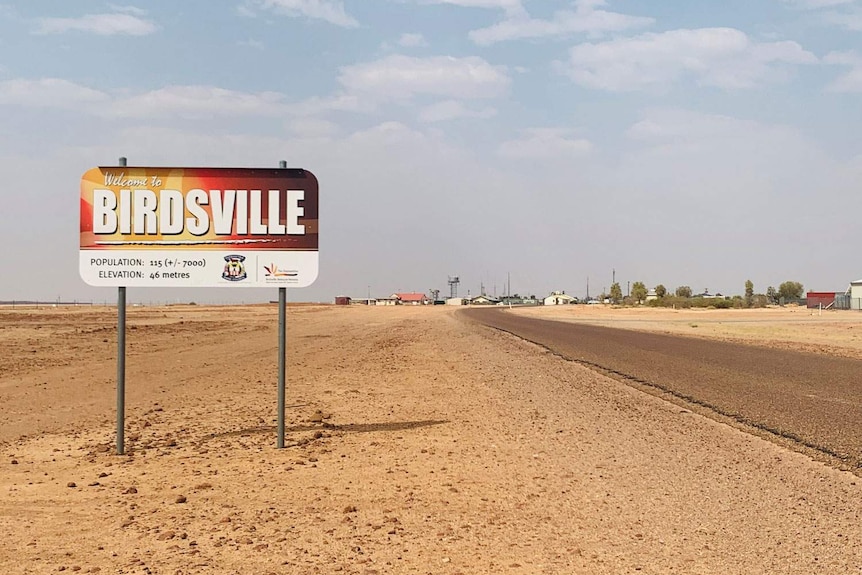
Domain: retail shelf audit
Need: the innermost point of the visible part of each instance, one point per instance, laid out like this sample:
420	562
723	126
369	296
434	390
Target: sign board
199	227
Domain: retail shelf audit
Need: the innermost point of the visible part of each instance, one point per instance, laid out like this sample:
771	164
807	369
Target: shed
342	300
559	298
815	299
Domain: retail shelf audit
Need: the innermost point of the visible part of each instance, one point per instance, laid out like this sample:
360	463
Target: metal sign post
282	336
282	350
121	362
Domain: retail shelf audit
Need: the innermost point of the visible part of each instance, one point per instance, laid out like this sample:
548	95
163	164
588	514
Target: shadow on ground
345	428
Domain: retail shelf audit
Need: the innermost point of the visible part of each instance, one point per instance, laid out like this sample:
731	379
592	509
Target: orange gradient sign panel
199	227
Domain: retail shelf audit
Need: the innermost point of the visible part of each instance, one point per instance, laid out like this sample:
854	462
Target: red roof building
412	298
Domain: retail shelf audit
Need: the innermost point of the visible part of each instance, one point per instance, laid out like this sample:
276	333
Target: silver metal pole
282	301
282	350
121	363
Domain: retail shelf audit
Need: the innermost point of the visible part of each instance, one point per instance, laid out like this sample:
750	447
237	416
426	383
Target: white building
559	298
855	292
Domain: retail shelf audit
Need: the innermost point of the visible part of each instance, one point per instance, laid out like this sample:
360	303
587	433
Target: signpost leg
121	363
282	304
282	351
121	369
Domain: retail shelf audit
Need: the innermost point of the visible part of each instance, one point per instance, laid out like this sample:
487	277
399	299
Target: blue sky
678	142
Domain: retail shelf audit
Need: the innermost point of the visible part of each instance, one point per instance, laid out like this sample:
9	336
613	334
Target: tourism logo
234	268
274	274
272	271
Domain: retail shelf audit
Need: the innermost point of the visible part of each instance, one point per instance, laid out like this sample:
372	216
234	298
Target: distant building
560	298
518	300
412	298
651	295
816	299
707	295
484	300
855	291
342	300
455	301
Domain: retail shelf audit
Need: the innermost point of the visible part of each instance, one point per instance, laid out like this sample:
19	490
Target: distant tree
749	293
772	294
683	291
639	291
616	293
760	300
790	290
660	291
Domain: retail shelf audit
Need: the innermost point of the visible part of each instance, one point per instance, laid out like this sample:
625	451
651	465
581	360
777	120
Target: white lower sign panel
166	268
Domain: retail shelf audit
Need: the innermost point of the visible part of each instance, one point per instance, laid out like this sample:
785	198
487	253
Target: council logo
234	268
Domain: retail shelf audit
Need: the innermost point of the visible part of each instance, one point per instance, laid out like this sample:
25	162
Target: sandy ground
417	442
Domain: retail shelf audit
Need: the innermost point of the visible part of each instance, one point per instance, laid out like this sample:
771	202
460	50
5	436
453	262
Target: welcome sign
201	227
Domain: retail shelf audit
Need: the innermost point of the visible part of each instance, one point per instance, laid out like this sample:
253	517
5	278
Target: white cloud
545	143
847	58
720	57
49	93
584	19
114	24
133	10
851	81
336	103
660	127
845	14
190	102
402	77
412	40
848	20
312	128
816	4
511	7
452	110
198	102
330	11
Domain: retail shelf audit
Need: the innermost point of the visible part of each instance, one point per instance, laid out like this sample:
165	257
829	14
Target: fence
844	301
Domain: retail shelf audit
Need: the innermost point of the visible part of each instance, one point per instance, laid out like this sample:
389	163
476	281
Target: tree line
683	296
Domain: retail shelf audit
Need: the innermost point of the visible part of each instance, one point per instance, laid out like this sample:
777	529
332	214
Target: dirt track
814	400
418	442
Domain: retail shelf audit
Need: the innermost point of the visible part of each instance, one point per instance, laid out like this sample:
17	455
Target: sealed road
814	400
